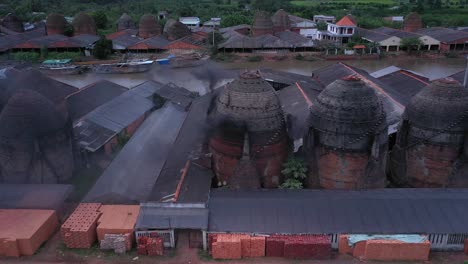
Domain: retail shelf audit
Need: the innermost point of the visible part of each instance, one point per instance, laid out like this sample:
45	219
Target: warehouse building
450	39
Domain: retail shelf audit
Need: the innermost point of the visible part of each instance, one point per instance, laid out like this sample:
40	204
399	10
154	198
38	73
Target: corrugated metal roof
147	89
459	76
91	136
92	96
172	217
444	34
381	211
120	112
132	174
397	33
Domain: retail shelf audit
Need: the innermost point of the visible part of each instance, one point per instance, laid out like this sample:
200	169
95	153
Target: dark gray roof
397	33
161	217
444	34
10	41
85	39
176	94
124	41
147	89
33	196
196	186
113	116
408	84
189	141
92	96
132	174
372	35
233	28
295	39
380	211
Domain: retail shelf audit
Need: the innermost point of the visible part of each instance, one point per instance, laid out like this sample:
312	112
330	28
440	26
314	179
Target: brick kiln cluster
347	142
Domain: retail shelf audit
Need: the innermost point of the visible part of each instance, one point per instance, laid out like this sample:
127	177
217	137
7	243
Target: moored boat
59	67
135	66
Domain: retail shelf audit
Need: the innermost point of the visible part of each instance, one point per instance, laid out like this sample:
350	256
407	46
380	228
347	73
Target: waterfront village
192	161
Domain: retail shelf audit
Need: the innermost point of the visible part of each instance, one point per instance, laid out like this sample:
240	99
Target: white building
190	22
340	32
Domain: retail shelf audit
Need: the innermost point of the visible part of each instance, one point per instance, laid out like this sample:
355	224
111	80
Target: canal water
214	74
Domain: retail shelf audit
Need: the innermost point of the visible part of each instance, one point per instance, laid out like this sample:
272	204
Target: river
197	79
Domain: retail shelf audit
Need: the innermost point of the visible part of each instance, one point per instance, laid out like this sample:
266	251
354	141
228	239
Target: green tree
321	25
103	48
234	19
44	51
295	171
411	44
100	18
271	5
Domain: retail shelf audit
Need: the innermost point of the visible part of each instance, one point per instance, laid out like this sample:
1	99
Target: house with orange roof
341	31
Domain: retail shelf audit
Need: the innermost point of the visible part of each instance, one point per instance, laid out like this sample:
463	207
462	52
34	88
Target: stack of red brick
236	246
151	246
299	246
79	231
385	250
466	246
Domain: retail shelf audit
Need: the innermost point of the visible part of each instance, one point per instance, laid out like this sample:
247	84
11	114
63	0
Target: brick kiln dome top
412	22
175	30
12	22
281	19
440	105
347	109
249	102
84	24
262	20
149	26
29	114
125	22
55	22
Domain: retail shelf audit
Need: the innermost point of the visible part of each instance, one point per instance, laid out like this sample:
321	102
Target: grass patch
204	255
254	58
225	57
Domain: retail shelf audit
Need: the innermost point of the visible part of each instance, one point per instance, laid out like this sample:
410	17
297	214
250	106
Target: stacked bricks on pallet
227	246
119	243
151	246
118	219
155	246
79	230
23	231
275	246
390	250
307	246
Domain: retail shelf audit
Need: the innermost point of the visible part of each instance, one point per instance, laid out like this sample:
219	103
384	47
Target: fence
167	235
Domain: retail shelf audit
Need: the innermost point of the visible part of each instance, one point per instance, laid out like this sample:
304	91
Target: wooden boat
59	67
135	66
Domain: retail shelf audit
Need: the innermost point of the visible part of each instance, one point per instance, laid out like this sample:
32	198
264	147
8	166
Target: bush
255	58
26	56
299	57
63	55
103	48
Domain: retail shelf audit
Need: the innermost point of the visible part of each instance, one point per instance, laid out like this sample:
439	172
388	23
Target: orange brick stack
118	220
385	250
151	246
227	246
22	231
79	231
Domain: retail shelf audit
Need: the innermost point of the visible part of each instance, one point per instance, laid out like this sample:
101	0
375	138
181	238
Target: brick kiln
149	27
249	105
431	146
83	24
263	24
347	141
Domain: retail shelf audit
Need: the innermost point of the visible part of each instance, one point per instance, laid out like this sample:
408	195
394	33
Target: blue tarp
353	239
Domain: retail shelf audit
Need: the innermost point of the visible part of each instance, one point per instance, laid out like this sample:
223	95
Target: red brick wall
340	170
269	162
109	146
430	166
132	128
225	158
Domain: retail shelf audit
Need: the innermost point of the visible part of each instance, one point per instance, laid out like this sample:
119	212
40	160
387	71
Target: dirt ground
54	251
